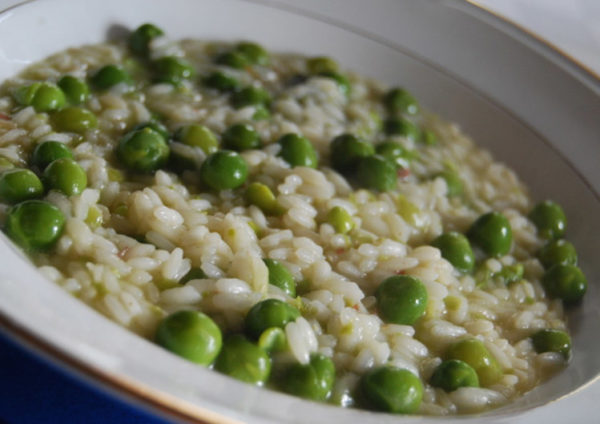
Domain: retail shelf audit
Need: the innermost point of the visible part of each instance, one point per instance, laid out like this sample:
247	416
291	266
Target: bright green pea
558	252
318	65
24	95
550	219
340	219
224	170
456	249
549	340
19	184
196	135
402	127
143	150
193	274
492	233
255	53
233	59
76	90
453	182
48	151
173	70
280	276
345	151
155	126
298	151
109	76
398	100
241	137
141	38
48	97
269	313
342	82
391	389
394	151
565	282
242	359
65	175
474	353
376	173
221	81
310	381
35	225
511	273
273	340
260	195
454	374
191	335
74	119
401	299
250	96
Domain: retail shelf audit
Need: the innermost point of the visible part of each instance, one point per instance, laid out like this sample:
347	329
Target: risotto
286	223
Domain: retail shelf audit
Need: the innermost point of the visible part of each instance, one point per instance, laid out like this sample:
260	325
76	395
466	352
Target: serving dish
532	109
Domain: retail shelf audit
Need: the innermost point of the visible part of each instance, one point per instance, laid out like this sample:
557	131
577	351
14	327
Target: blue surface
34	391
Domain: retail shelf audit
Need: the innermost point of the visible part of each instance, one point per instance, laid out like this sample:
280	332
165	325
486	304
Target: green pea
456	249
558	252
453	374
221	81
269	313
65	175
44	96
342	82
233	59
74	119
549	340
19	184
109	76
191	335
76	90
196	135
48	151
35	225
391	389
241	137
550	219
143	150
224	170
298	151
428	137
565	282
261	113
340	220
193	274
242	359
475	354
273	340
250	96
395	152
401	299
376	173
140	39
255	53
280	276
511	273
492	233
310	381
260	195
402	127
173	70
398	100
155	126
346	150
24	95
453	182
318	65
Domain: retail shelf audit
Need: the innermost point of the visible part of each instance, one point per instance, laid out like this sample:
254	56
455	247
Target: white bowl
530	106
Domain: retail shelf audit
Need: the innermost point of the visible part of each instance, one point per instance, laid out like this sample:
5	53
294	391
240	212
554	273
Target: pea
453	374
233	59
250	96
76	90
475	354
24	95
155	126
558	252
35	225
280	276
221	81
298	151
342	82
394	152
311	381
48	97
140	39
47	152
453	182
549	340
376	173
19	184
456	249
173	70
399	100
565	282
511	273
65	175
318	65
345	151
402	127
196	135
242	359
224	170
143	150
269	313
261	113
550	219
401	299
193	274
391	389
428	137
255	53
273	340
492	233
74	119
241	137
191	335
261	195
109	76
340	219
